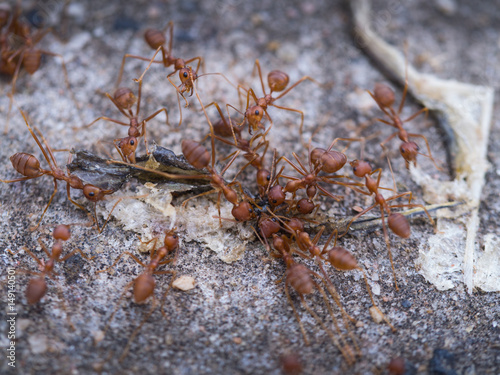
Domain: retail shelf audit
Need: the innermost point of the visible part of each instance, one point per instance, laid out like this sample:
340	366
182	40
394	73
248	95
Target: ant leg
386	319
428	149
151	61
297	316
257	65
136	331
19	179
178	99
73	253
296	84
46	207
102	118
183	205
356	217
301	127
66	78
119	257
114	206
29	253
387	242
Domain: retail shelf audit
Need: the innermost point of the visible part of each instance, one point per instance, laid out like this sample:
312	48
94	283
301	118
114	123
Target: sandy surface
237	319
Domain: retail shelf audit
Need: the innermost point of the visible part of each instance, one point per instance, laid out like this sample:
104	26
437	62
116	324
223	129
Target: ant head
383	95
154	38
128	145
263	177
187	76
360	168
269	226
37	287
399	225
305	206
124	97
171	240
409	151
243	211
278	242
342	259
276	195
296	225
62	232
277	80
143	287
197	155
254	114
93	193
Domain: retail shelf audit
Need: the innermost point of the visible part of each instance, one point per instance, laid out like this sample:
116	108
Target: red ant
37	286
300	278
397	222
199	157
320	160
124	99
156	40
277	82
144	284
384	97
24	54
29	166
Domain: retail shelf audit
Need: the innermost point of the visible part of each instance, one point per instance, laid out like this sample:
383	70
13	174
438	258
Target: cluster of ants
284	202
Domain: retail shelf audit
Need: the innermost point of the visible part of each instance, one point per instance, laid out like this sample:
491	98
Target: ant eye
354	169
91	194
274	219
132	142
185	74
268	177
257	112
275	201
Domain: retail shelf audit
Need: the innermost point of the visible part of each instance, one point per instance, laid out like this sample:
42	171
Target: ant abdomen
305	206
342	259
36	289
242	211
399	225
277	80
299	278
26	164
331	161
360	168
143	287
154	38
383	95
276	195
197	155
125	97
61	232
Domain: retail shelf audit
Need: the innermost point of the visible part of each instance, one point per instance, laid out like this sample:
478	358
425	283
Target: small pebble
184	283
38	344
376	314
